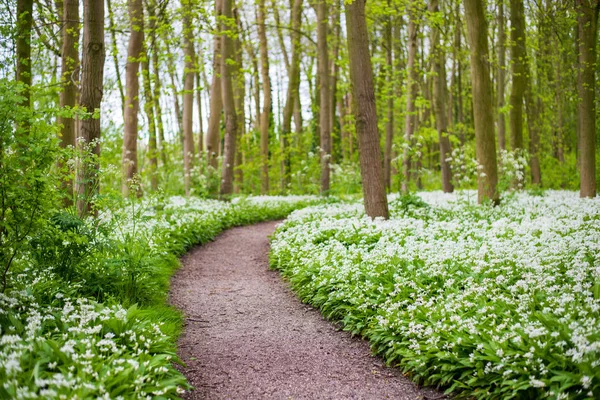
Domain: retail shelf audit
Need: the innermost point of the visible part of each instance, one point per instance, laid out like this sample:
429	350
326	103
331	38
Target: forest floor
247	336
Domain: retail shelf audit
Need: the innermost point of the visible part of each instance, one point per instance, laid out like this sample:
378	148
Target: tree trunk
157	82
501	80
114	51
132	89
266	111
70	80
485	142
149	110
324	93
389	123
23	72
587	19
227	72
92	75
240	107
365	112
519	80
188	93
439	101
294	82
213	133
411	94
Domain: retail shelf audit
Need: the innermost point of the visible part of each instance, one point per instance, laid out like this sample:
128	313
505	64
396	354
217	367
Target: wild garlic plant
492	302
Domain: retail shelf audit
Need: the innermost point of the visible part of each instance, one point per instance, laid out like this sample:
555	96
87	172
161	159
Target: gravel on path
247	336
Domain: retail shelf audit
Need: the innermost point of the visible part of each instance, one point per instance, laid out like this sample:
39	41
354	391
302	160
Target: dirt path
248	337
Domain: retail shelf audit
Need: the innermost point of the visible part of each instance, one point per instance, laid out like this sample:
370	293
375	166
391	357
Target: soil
247	336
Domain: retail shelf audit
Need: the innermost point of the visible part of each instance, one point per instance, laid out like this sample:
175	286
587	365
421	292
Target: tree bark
365	112
70	80
519	80
294	83
227	73
412	87
213	133
501	80
485	142
149	110
132	89
114	51
587	21
266	111
389	123
157	80
324	93
23	72
439	101
189	72
92	76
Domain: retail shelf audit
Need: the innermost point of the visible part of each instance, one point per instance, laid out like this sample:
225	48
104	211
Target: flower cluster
79	348
56	343
495	302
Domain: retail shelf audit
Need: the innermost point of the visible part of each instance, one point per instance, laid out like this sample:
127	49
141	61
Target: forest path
247	336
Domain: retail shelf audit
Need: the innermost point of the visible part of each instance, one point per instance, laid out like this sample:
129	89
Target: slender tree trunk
188	93
587	20
389	123
149	110
114	50
70	80
485	141
213	133
23	72
175	90
132	89
294	82
439	101
152	19
501	80
365	112
240	107
412	88
266	111
519	80
227	72
92	75
324	93
334	67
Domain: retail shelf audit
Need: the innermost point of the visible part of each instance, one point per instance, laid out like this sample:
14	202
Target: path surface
248	337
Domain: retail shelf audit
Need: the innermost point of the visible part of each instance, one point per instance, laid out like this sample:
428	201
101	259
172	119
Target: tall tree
294	80
501	81
23	72
412	87
189	73
213	132
92	75
481	88
439	100
266	110
132	89
70	80
389	123
519	80
149	111
324	92
114	50
227	76
587	21
365	112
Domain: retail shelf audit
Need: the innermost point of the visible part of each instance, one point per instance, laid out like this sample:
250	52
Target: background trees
266	64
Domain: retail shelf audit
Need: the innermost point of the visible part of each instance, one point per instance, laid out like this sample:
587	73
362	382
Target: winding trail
247	336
